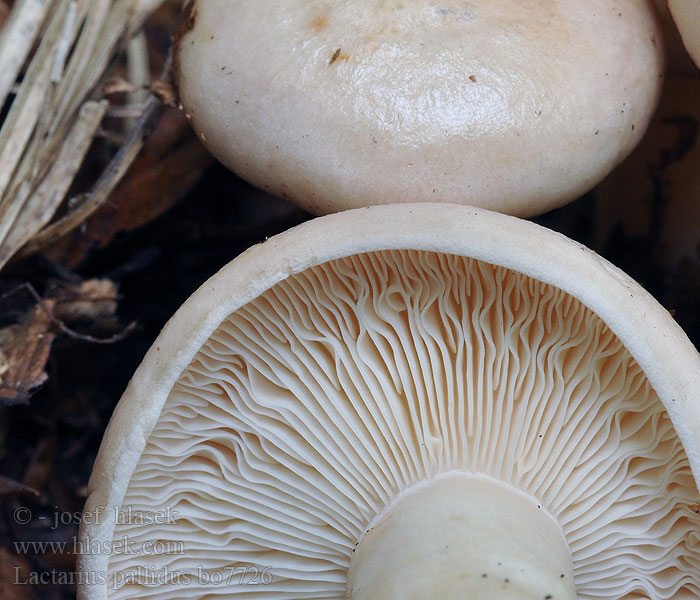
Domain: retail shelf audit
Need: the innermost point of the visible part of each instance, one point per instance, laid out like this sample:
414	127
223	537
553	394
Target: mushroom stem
462	536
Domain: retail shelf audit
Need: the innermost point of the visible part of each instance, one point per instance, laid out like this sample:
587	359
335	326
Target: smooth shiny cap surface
515	106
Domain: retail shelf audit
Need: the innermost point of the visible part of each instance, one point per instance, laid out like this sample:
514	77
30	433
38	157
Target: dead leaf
25	348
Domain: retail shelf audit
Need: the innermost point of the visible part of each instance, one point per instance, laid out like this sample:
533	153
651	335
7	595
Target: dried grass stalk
55	56
17	38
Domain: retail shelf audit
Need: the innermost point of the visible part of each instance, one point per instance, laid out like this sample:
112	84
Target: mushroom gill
345	387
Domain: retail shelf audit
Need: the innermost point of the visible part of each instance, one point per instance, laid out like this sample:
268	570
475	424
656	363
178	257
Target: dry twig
49	308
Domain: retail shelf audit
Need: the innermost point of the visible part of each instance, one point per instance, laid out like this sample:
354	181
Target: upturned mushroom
405	402
515	106
686	14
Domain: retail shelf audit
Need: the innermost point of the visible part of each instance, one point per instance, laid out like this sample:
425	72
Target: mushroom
515	106
686	14
405	401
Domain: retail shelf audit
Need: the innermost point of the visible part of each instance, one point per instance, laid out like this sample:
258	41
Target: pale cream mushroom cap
686	14
515	106
534	405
